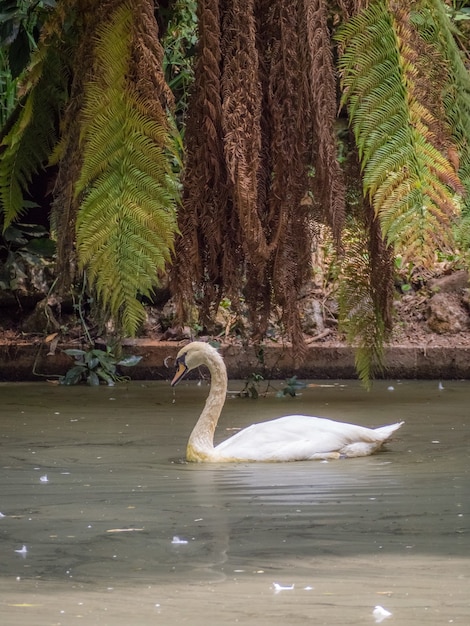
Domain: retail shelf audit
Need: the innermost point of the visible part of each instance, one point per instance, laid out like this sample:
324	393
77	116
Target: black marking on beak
181	370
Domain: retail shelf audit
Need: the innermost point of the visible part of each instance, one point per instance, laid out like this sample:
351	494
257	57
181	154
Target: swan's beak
180	372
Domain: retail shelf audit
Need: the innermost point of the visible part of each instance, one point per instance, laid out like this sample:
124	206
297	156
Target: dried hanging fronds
290	114
269	114
146	66
329	183
203	256
241	124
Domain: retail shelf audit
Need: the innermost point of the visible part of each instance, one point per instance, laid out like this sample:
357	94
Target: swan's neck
201	441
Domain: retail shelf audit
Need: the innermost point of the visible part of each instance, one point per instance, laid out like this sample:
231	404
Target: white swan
290	438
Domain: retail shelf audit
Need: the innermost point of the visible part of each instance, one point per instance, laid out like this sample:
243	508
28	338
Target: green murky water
118	530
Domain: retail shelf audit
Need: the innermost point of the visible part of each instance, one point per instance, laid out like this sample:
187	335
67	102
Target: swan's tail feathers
387	431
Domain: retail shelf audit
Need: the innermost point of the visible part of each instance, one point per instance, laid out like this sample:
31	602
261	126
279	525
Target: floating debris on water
278	587
124	530
178	541
23	551
380	614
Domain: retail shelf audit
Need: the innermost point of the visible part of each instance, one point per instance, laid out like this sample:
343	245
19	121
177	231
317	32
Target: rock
446	314
312	317
38	321
451	283
178	333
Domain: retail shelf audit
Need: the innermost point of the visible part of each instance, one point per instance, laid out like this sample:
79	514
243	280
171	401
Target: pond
104	523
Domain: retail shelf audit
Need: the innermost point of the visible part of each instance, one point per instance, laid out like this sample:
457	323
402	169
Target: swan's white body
289	438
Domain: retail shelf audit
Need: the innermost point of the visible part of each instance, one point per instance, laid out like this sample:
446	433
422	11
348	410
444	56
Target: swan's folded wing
297	437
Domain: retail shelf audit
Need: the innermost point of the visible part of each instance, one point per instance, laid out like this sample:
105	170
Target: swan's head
193	355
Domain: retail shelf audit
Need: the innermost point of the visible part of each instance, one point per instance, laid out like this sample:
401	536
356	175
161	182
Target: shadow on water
118	529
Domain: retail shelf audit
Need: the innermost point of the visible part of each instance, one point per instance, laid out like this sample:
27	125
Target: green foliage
435	28
127	221
252	385
462	238
29	142
95	365
179	43
404	271
251	389
359	318
291	388
409	182
7	89
20	21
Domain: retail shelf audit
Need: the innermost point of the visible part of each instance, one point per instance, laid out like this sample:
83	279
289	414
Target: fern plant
434	26
360	317
400	131
29	141
7	88
126	221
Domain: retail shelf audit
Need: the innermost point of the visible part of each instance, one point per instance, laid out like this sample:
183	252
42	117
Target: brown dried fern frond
288	102
202	216
241	122
146	67
261	123
329	180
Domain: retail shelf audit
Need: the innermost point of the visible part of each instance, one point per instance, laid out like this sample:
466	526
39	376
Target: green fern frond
359	318
433	25
410	183
29	143
126	222
462	236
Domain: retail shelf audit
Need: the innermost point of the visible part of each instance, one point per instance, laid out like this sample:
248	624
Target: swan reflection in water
289	438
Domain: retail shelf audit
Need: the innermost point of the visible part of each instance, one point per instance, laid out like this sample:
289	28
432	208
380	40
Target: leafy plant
127	219
95	365
405	273
7	89
399	129
29	137
361	317
179	45
251	388
21	21
291	388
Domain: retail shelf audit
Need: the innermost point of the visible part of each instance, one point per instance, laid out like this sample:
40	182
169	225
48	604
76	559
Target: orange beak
179	374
